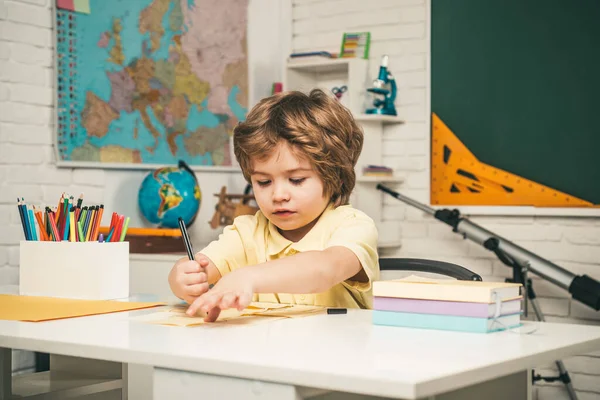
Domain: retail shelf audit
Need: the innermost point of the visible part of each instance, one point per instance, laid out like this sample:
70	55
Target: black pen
186	239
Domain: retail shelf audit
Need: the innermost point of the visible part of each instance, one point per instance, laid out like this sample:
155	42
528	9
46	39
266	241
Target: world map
151	81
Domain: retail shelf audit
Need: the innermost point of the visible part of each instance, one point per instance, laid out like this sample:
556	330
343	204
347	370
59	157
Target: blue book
446	322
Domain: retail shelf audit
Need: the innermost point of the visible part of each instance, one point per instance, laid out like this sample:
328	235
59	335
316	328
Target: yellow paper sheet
37	308
255	313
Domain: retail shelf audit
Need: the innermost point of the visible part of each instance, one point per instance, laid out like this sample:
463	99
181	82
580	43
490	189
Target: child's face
288	191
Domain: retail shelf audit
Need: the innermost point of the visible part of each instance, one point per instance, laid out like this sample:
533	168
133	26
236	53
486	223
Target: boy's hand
233	290
188	279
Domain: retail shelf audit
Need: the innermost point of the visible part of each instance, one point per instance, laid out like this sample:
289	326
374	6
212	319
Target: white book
447	289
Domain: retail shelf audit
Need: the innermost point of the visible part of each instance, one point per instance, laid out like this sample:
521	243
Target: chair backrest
430	266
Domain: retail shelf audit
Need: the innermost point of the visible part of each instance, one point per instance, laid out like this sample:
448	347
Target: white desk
333	352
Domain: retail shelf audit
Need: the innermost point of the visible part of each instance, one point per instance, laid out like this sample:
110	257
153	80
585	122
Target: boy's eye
297	181
263	183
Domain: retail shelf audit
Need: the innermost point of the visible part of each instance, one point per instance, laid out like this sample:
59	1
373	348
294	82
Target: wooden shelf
59	385
305	74
378	179
385	119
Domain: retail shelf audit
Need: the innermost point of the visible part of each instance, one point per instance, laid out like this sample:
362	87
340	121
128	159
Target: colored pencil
69	221
118	228
26	217
65	235
73	236
59	208
38	217
110	235
81	235
124	232
97	222
54	229
19	206
32	224
86	223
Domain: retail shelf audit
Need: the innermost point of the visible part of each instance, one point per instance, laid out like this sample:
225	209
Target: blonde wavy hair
316	125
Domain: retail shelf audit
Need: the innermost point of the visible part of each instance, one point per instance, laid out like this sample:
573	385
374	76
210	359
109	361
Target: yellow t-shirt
252	239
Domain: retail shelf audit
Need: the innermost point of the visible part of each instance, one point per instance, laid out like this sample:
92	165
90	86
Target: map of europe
151	81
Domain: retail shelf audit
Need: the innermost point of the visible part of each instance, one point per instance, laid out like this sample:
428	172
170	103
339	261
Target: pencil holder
75	270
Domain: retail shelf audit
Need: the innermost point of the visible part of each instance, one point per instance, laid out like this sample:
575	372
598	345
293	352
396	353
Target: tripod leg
569	385
563	374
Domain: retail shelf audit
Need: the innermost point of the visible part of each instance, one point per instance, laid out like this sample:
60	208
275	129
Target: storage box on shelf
326	74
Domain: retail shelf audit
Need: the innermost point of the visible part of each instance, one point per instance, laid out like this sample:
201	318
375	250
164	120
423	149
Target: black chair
430	266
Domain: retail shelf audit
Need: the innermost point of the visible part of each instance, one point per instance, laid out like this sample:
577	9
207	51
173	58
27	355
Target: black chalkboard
518	81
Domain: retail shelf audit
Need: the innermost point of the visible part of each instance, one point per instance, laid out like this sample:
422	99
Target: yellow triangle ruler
459	178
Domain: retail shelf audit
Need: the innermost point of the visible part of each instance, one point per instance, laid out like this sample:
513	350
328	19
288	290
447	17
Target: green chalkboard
518	81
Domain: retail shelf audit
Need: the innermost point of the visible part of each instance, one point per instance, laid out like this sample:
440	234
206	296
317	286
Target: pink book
459	308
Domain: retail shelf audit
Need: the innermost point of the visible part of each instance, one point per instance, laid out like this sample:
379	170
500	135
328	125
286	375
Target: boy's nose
280	193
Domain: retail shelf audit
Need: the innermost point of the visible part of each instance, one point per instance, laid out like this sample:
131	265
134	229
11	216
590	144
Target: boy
305	245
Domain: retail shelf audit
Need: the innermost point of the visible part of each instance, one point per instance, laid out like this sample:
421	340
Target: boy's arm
306	272
350	258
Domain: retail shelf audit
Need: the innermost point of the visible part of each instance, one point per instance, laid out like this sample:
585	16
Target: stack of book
447	304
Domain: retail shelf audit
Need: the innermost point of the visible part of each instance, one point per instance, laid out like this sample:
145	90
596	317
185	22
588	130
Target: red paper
66	4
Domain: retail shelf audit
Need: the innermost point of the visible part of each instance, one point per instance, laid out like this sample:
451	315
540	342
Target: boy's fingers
213	314
190	267
211	301
194	307
203	261
244	300
191	278
228	300
196	290
194	278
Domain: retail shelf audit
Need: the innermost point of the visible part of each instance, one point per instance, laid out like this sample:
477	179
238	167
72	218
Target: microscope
384	85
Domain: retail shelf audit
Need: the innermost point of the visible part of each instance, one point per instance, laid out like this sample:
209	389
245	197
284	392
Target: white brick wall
26	153
399	29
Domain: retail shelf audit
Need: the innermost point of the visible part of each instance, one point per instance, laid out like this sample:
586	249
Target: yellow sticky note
82	6
37	308
256	312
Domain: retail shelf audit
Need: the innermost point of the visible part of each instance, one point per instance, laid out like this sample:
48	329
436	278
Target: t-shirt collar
277	243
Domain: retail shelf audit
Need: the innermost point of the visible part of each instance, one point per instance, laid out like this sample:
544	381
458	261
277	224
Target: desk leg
182	385
516	386
5	373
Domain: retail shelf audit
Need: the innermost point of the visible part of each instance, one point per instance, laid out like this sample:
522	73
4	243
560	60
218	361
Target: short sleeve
358	233
227	252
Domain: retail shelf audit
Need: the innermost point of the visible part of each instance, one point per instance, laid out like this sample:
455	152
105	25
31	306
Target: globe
169	193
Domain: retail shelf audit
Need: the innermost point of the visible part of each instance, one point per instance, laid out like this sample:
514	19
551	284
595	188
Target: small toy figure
231	206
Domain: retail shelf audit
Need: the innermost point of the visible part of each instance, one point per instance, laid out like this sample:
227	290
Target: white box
75	270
